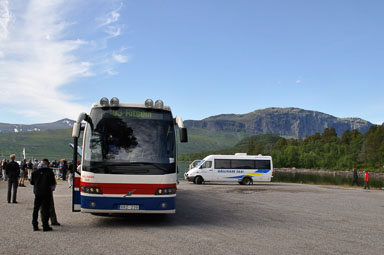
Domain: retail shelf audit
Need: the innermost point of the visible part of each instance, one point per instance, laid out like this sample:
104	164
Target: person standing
366	180
23	171
63	168
355	177
43	181
30	168
70	176
5	177
35	165
52	213
12	171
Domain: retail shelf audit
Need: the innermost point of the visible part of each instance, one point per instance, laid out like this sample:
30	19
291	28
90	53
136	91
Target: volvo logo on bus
129	193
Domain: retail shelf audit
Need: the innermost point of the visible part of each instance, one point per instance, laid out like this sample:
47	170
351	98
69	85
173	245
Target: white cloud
113	31
109	22
37	62
40	55
120	58
298	81
111	17
4	18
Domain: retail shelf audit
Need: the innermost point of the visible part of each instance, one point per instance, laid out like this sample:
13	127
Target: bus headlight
166	191
114	102
104	102
159	104
148	103
91	190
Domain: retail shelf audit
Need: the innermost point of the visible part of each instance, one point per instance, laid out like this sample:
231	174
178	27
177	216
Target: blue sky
201	57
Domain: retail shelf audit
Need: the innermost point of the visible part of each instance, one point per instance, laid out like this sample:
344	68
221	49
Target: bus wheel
198	180
247	181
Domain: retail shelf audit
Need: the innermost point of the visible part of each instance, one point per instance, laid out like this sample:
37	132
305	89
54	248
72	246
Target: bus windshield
130	141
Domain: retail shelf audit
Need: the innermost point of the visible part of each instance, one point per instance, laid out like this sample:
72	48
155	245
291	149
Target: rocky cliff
291	122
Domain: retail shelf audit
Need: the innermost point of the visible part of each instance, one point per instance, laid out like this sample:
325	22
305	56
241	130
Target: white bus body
240	167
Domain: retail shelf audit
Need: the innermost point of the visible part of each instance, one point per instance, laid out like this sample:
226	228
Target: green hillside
252	145
204	140
51	144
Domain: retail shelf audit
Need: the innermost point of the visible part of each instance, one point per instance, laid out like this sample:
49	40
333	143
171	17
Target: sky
201	57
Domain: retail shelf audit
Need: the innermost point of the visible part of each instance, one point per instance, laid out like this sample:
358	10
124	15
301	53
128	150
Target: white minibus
242	168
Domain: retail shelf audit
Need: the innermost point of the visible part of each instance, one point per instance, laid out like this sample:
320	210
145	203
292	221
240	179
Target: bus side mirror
183	135
76	130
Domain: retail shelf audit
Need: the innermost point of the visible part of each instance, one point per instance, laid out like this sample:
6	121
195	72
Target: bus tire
246	181
198	180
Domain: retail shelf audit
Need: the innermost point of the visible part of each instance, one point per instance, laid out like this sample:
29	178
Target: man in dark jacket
44	182
12	171
355	177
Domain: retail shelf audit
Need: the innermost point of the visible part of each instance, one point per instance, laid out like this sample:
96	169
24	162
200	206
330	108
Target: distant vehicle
240	167
128	158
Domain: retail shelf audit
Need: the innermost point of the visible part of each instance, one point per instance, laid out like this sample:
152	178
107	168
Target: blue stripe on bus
76	197
260	171
113	203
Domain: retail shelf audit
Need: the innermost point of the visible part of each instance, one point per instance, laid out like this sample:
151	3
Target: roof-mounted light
114	102
104	102
149	103
159	104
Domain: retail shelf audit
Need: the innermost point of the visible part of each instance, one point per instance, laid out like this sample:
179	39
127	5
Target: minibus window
263	164
242	164
207	164
222	164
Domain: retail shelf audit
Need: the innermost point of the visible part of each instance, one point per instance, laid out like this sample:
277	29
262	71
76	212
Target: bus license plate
129	207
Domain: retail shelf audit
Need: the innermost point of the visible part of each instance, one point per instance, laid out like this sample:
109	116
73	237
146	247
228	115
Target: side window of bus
222	163
207	164
263	164
242	164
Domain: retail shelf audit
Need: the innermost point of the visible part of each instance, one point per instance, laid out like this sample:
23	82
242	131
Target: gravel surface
272	218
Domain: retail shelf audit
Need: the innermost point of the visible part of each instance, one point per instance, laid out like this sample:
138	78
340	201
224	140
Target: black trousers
51	211
64	174
12	184
44	203
355	181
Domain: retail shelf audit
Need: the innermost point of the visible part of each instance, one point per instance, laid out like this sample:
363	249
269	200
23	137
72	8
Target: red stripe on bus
77	182
124	188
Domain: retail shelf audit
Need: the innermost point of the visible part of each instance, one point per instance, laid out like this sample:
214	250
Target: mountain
16	128
211	134
51	144
288	122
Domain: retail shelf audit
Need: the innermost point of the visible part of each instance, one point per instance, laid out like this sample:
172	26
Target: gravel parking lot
271	218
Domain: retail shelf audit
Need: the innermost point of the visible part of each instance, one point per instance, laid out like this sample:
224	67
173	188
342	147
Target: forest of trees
319	151
327	151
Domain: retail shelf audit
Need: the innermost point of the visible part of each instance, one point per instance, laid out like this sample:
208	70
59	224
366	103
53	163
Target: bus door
76	197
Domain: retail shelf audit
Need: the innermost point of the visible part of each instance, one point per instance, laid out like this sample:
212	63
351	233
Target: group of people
356	177
41	176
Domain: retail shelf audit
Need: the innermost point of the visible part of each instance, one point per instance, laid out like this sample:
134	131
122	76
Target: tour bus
240	167
128	160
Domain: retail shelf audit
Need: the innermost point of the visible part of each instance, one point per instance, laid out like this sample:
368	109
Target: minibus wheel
198	180
247	181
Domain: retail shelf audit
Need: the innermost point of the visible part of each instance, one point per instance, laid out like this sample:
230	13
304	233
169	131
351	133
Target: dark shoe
36	228
47	229
55	224
15	202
